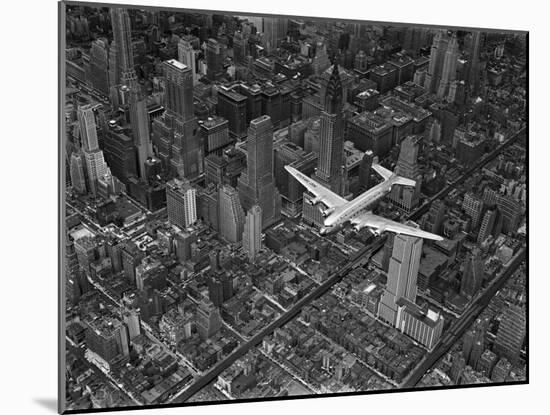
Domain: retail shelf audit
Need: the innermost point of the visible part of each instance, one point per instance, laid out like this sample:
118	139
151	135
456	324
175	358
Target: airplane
358	211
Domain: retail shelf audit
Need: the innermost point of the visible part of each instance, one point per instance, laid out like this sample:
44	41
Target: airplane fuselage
362	203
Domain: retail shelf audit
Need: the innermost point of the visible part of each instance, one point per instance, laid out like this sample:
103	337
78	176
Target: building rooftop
176	64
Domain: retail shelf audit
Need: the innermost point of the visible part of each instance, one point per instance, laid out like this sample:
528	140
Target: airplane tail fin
404	181
388	174
382	171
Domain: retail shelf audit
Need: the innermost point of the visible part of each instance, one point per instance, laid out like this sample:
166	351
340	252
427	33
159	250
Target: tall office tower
107	338
473	206
511	333
487	225
78	176
121	65
407	197
459	363
133	323
402	275
231	214
99	65
274	31
139	121
240	42
252	234
331	146
361	64
448	72
501	370
511	210
214	133
123	72
472	274
179	89
257	185
215	55
292	192
320	61
186	55
433	219
96	168
131	257
257	21
88	129
473	62
181	203
175	133
437	57
365	170
232	106
435	132
220	283
209	320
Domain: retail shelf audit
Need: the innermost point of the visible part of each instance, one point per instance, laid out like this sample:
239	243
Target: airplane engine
327	212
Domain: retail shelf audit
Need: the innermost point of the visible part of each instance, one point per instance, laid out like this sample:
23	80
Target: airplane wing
380	224
382	171
322	194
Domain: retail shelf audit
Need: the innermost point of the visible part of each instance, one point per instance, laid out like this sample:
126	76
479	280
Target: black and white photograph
275	207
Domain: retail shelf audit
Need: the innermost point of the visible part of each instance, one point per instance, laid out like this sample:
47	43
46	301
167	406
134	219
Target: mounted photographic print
258	207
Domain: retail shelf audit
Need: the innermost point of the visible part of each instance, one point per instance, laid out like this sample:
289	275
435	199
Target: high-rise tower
121	66
252	235
96	168
186	55
181	203
231	214
402	275
448	72
123	72
407	197
331	145
437	55
257	185
511	333
176	133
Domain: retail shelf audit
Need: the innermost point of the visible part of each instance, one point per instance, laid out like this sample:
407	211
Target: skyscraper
252	234
96	168
88	128
215	54
78	177
187	56
365	170
209	320
402	275
331	146
231	215
511	332
407	197
448	72
473	206
274	30
473	62
292	191
487	225
99	65
121	65
472	274
176	132
437	55
510	209
257	185
181	203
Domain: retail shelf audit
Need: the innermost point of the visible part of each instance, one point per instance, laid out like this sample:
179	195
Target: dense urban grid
195	269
